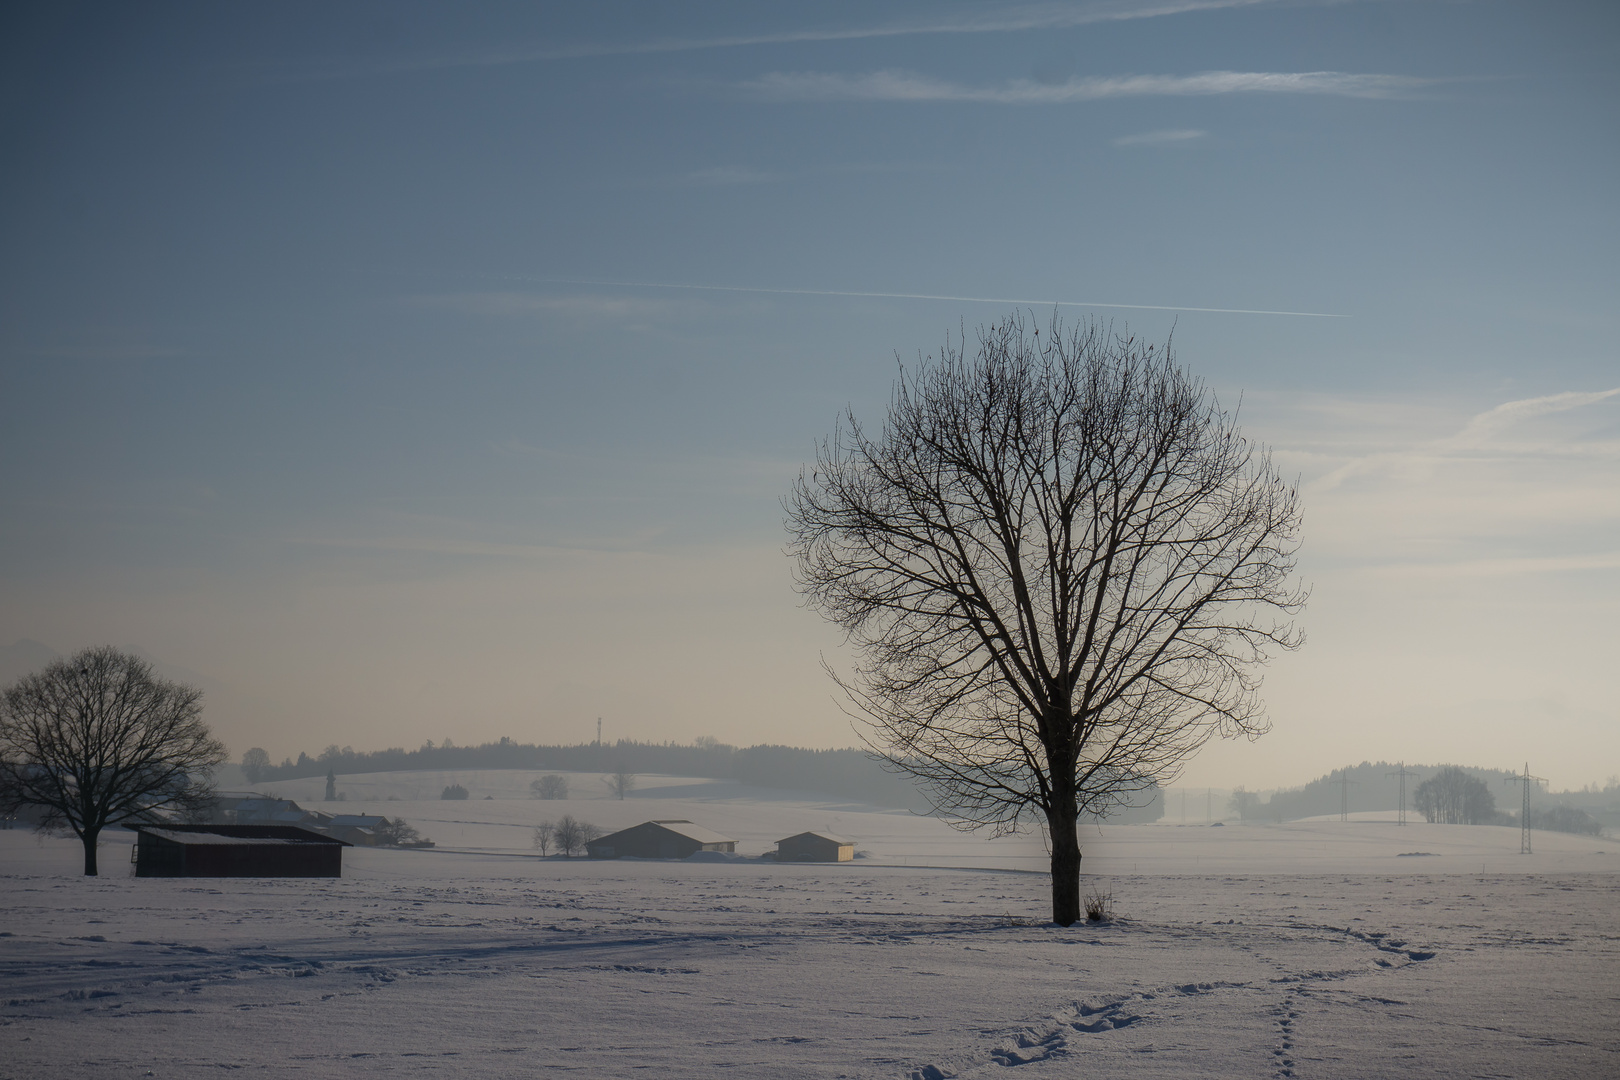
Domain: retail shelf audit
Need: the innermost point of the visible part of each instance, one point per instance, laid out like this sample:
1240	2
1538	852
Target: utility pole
1400	812
1524	810
1209	804
1344	783
598	731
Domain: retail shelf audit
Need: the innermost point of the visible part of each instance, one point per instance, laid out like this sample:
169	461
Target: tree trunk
1065	836
89	837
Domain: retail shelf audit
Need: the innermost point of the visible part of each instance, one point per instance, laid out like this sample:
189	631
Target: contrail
925	296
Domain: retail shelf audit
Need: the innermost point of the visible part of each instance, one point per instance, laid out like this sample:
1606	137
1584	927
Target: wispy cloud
1488	425
723	176
928	296
521	303
910	86
109	351
1484	434
728	176
1006	19
1512	567
1161	138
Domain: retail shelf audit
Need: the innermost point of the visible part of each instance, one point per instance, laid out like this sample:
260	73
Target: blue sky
356	360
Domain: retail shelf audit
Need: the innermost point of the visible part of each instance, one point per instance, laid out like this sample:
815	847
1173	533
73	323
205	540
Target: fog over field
1319	949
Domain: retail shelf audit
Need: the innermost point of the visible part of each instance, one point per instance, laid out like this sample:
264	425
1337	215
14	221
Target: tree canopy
97	739
1060	565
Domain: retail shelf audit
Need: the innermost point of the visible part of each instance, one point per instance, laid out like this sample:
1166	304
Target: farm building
252	808
815	847
235	851
359	829
659	840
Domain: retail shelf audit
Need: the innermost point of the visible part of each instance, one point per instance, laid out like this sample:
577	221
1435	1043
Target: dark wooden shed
674	839
815	847
235	851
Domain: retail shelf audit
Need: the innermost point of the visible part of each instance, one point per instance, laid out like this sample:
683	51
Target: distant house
165	850
252	808
243	808
361	829
674	839
815	847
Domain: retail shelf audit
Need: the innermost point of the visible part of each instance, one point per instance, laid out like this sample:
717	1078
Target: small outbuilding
815	847
362	830
674	839
163	850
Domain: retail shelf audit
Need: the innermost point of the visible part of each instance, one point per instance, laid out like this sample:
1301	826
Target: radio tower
1344	783
1524	811
1400	812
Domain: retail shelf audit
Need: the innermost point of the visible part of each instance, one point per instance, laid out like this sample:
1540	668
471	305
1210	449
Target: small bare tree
97	739
544	834
1060	564
550	786
620	783
571	836
1243	802
254	763
400	833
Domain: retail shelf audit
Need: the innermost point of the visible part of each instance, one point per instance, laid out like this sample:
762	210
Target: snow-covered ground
1312	949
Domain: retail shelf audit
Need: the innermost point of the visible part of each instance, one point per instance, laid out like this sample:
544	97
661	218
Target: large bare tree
97	739
1060	564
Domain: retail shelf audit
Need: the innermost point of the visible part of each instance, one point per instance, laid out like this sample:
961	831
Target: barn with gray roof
671	839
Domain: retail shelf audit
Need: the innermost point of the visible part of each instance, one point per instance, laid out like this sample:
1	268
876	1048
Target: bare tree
544	834
400	833
550	786
254	763
571	836
1243	802
1452	797
1060	564
620	783
96	739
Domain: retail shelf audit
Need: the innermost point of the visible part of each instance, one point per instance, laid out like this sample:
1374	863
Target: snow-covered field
1305	950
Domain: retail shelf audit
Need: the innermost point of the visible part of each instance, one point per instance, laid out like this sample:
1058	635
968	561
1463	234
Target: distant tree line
1453	797
1446	794
849	773
1371	787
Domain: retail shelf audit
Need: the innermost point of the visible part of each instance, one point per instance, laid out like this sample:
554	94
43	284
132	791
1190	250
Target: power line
1524	810
1400	811
1344	783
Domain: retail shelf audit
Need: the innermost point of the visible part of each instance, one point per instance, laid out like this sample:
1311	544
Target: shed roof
234	835
834	838
693	832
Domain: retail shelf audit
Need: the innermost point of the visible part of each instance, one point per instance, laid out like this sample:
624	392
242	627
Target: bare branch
1060	565
96	739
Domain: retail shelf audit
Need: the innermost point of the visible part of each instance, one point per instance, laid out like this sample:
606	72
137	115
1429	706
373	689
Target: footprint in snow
1031	1048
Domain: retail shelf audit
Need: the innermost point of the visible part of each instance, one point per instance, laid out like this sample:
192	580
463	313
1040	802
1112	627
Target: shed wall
157	857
